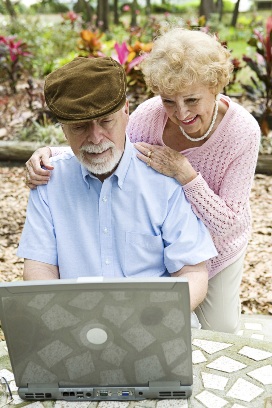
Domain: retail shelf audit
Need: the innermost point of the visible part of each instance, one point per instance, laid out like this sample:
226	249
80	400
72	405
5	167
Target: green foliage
44	133
261	64
48	7
228	6
47	41
13	52
56	40
175	8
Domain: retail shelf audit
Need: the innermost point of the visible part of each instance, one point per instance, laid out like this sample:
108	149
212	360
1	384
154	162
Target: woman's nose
181	111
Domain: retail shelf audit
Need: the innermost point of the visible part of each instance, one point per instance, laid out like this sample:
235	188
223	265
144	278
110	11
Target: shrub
12	54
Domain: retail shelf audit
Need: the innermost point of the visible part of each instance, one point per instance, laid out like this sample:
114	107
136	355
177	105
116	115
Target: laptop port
103	393
125	393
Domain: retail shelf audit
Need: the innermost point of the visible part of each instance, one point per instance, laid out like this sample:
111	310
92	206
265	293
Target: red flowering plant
71	17
90	43
11	54
261	88
130	56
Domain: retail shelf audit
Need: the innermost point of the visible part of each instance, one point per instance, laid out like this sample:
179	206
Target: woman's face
192	109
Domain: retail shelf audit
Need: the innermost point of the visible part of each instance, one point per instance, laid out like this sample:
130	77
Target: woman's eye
167	101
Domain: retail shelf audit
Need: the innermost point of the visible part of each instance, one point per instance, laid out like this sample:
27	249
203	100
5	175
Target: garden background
36	39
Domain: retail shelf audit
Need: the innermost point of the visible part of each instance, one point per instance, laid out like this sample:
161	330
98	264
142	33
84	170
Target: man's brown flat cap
86	89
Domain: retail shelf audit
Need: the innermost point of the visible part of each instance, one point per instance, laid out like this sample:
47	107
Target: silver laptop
99	339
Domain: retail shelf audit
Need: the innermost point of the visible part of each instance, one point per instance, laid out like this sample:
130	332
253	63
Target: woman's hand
166	161
35	174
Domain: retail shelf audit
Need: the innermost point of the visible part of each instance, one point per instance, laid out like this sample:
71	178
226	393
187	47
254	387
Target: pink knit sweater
225	163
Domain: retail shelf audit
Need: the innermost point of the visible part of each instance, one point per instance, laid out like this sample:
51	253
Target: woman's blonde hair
182	57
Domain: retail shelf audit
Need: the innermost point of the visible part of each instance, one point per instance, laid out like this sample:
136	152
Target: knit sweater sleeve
223	206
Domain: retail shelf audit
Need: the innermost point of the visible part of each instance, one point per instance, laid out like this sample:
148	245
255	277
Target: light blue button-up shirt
136	223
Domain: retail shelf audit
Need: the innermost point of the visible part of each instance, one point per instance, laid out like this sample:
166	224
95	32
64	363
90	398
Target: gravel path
256	289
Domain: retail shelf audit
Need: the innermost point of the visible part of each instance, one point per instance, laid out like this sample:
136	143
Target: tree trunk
105	15
17	151
220	9
99	12
206	8
148	7
86	8
134	6
115	12
235	14
10	9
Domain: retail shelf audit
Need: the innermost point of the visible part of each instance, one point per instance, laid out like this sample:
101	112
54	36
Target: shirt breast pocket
144	255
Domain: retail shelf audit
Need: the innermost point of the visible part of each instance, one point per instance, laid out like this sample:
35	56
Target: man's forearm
34	270
197	276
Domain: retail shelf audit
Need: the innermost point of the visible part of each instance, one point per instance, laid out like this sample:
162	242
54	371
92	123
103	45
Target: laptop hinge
40	386
164	384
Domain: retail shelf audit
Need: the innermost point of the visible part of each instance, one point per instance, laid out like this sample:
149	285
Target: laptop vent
38	395
164	394
179	394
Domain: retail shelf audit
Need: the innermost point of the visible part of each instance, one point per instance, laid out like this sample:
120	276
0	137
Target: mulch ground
256	289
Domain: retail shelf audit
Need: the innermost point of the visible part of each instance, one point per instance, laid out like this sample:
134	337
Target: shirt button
104	199
107	262
105	230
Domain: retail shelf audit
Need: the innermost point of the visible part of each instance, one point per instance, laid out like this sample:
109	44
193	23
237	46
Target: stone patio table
229	371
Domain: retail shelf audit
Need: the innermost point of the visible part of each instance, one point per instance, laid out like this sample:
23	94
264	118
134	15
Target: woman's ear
126	107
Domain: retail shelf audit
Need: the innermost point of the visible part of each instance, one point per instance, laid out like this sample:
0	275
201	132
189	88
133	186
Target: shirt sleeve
187	241
38	240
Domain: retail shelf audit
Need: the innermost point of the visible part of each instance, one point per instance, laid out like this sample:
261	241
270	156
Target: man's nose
94	134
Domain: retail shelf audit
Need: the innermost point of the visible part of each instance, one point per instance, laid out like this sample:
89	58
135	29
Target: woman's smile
189	121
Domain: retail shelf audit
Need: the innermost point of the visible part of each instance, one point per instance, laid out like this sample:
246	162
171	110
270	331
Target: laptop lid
99	339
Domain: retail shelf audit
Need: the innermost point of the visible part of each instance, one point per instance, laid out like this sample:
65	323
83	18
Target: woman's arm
224	209
35	173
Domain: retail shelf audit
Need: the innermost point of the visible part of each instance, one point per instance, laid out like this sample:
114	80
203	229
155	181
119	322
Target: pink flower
122	52
126	8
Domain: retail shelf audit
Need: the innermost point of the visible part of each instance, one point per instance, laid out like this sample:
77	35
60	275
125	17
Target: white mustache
97	148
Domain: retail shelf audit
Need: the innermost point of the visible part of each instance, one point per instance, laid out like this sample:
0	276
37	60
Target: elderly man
104	212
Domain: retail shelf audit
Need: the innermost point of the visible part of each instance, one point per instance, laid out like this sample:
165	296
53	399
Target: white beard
102	165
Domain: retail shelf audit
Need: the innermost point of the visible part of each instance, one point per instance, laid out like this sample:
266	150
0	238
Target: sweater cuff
189	186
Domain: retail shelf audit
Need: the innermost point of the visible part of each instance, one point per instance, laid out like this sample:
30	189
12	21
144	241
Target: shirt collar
121	170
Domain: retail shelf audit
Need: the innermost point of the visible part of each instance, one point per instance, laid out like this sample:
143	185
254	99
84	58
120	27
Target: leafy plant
261	88
90	42
131	57
46	133
11	54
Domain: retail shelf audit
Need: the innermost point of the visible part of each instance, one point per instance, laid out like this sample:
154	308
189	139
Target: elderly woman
208	143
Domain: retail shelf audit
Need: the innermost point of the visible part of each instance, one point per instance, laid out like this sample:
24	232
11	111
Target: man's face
99	144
